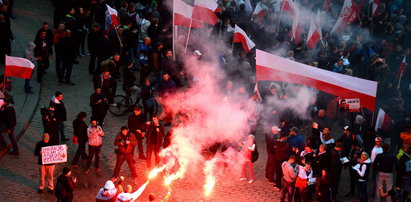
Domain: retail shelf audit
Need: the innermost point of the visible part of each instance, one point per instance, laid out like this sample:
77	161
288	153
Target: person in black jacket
49	35
92	43
51	125
282	152
335	168
80	137
6	36
103	52
68	49
385	164
129	78
154	141
107	84
314	140
46	171
136	124
404	175
99	106
7	124
68	185
321	160
42	54
270	166
147	96
60	111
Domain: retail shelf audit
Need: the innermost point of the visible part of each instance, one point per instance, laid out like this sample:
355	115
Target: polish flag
313	36
401	70
204	10
18	67
275	68
318	22
241	37
257	94
113	16
348	14
375	7
287	6
383	121
259	10
183	13
296	29
248	7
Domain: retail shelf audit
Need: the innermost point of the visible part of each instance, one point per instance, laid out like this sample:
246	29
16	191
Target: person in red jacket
126	143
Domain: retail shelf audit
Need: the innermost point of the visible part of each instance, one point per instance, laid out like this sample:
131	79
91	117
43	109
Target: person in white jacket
362	169
95	142
130	197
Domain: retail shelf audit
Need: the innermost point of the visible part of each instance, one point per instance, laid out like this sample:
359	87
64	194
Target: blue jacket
296	141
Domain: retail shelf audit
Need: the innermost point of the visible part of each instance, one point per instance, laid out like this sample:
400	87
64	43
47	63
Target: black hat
124	128
294	129
66	170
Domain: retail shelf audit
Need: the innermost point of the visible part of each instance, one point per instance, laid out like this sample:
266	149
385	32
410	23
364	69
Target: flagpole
173	35
4	79
399	81
189	30
281	13
118	36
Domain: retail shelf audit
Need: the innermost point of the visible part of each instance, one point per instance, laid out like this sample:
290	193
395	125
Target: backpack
59	189
254	155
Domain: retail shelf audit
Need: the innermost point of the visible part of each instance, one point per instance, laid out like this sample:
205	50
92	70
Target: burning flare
155	172
210	178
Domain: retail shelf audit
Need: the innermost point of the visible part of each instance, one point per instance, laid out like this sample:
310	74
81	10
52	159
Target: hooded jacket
59	108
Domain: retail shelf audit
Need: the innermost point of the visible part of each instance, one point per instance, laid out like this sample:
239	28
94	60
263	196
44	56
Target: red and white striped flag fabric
18	67
318	22
349	13
313	36
204	10
375	7
259	10
113	16
286	6
296	28
257	94
183	13
383	121
401	70
241	37
275	68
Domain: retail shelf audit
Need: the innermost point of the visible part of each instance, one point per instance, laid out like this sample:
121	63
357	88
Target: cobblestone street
19	175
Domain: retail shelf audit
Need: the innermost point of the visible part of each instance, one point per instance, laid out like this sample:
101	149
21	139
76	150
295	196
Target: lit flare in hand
155	172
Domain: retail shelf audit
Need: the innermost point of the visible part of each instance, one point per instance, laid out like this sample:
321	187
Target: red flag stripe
184	21
204	14
18	71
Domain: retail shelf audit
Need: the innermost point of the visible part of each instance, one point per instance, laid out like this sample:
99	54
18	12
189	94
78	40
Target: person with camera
51	125
126	143
65	186
95	142
136	123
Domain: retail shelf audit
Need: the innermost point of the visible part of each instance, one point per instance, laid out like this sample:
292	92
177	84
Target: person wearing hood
362	169
29	55
110	191
127	196
61	113
67	183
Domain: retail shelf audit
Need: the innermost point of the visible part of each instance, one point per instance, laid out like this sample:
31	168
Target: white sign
350	105
54	154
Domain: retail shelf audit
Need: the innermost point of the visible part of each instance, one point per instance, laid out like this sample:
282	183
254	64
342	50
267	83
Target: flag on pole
241	37
286	6
113	16
375	7
313	36
183	13
259	10
383	121
204	10
248	7
296	28
257	94
401	70
318	22
349	13
18	67
270	67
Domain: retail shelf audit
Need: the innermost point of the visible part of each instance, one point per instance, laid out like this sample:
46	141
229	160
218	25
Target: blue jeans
61	131
288	189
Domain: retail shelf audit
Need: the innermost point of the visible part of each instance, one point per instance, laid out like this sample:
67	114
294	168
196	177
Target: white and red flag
113	16
248	7
275	68
313	36
401	70
286	6
375	7
259	10
241	37
257	94
296	28
204	10
383	121
18	67
349	13
183	13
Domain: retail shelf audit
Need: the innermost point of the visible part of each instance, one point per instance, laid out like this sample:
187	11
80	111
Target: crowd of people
303	167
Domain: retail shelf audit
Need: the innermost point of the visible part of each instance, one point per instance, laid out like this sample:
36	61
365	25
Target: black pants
140	147
67	67
130	161
353	181
92	63
270	167
81	151
42	66
94	150
335	183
